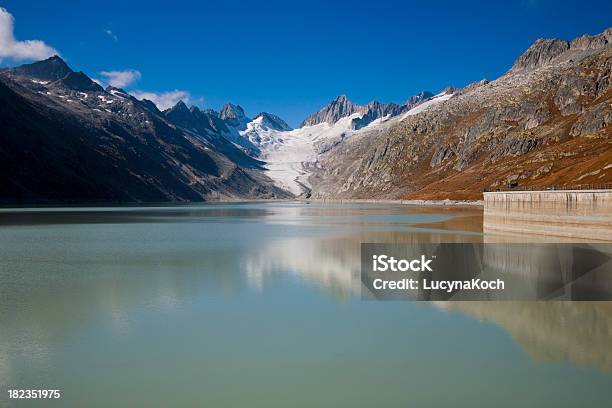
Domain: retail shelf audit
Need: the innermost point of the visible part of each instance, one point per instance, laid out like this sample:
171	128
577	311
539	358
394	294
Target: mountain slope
49	70
292	157
271	121
213	130
233	115
546	121
71	141
331	113
375	110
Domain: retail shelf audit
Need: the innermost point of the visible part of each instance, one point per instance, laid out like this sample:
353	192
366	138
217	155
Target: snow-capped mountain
82	143
271	121
292	155
342	107
332	112
547	120
214	145
375	110
260	130
289	155
418	98
233	115
425	104
210	127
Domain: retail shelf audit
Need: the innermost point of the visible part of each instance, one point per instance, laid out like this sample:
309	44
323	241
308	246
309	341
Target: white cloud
110	33
165	100
20	50
121	79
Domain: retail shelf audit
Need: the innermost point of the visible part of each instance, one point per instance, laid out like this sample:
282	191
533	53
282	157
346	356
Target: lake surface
258	305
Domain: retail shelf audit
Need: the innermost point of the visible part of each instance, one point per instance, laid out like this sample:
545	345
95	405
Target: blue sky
292	57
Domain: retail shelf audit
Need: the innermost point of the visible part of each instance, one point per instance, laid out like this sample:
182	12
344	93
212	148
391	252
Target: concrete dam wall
568	214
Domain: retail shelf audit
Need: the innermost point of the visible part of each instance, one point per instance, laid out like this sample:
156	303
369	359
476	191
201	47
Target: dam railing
552	188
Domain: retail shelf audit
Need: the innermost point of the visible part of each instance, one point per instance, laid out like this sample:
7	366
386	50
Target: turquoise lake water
258	305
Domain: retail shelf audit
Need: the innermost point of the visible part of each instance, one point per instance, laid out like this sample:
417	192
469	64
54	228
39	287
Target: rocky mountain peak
180	106
546	50
179	114
78	81
554	109
449	90
233	115
113	89
375	110
150	105
51	69
592	42
340	107
382	109
418	98
211	112
541	52
373	105
178	109
198	114
231	111
272	121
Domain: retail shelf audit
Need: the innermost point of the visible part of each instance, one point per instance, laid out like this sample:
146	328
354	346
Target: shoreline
439	203
429	203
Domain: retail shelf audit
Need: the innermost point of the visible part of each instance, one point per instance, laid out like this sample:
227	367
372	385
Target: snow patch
434	100
118	93
289	153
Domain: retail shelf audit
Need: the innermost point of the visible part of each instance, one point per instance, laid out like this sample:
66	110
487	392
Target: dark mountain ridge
70	141
211	128
51	69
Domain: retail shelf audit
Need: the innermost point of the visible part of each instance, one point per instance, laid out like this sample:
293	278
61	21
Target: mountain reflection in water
97	276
